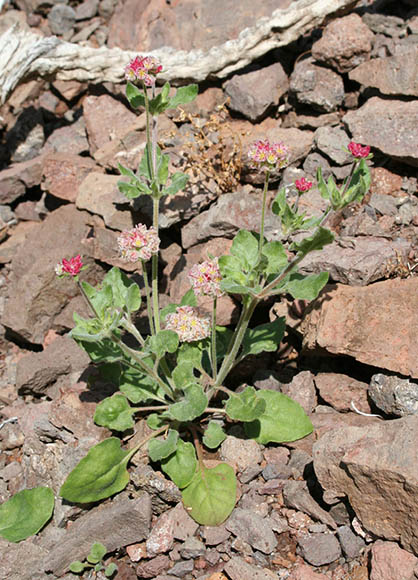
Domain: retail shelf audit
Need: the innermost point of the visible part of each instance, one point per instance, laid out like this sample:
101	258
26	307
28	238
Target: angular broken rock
63	173
319	549
238	569
377	469
250	527
122	522
351	321
296	495
390	561
15	179
387	126
341	391
393	395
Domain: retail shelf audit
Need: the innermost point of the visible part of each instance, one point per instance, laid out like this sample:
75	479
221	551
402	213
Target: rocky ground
337	505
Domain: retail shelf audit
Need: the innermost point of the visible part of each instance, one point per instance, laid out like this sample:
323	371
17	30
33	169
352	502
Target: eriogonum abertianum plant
176	373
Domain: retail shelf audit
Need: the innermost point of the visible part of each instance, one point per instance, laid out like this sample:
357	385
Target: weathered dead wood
24	54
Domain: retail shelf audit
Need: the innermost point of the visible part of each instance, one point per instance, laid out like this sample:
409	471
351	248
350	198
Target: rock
26	138
15	179
319	549
292	119
37	371
36	294
71	140
162	490
383	204
241	452
105	119
386	338
355	261
99	194
393	395
182	568
11	436
315	86
351	544
215	535
330	141
130	523
150	568
192	548
376	468
87	9
395	75
315	160
297	496
340	391
302	390
13	555
161	538
389	129
63	173
384	24
253	529
102	244
238	569
61	20
304	572
346	42
252	94
390	561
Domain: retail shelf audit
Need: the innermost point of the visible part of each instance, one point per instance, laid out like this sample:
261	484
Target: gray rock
180	569
15	179
71	139
61	20
238	569
184	525
162	490
351	544
302	390
22	561
87	9
130	523
215	535
393	395
315	160
253	529
192	548
250	473
161	538
26	138
331	140
384	204
384	24
254	93
276	471
389	129
320	549
312	85
296	495
242	452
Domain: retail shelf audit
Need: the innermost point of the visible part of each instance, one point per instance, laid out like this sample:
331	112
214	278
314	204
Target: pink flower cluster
358	151
144	69
302	185
205	278
71	267
266	154
188	326
139	243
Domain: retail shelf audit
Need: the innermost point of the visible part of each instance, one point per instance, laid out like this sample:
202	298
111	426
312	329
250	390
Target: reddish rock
395	75
15	179
302	390
161	538
385	182
377	469
254	93
71	140
316	86
391	129
68	411
340	391
238	568
346	42
63	173
102	244
305	572
389	561
351	321
29	211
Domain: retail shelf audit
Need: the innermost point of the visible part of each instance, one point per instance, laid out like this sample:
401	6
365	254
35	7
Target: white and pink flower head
187	324
143	69
139	243
271	155
205	278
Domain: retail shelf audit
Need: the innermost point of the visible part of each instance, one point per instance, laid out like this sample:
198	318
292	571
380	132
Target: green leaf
110	569
183	374
125	293
128	190
189	354
322	186
184	95
100	474
157	420
211	495
25	513
223	338
114	413
139	388
135	97
214	435
245	406
283	420
321	238
306	287
230	286
193	405
164	341
163	169
178	182
77	567
161	448
245	248
103	351
181	465
276	258
97	553
144	168
263	338
161	102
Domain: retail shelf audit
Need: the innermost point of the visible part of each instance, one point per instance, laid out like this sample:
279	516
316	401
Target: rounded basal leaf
214	435
306	287
193	405
211	495
264	338
161	448
181	465
114	413
157	420
283	420
77	567
100	474
245	406
110	569
25	513
97	553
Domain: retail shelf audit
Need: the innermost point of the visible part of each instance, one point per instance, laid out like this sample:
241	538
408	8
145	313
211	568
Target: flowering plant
177	377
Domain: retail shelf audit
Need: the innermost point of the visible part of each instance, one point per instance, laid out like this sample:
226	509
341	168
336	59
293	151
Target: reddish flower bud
302	185
72	267
358	151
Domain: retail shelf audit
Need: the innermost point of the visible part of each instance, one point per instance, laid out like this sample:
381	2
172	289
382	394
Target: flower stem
263	214
148	295
154	273
148	133
213	341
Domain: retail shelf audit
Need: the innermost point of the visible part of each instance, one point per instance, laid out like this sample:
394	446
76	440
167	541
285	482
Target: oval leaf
283	420
193	405
211	495
245	406
181	465
264	338
214	435
114	413
100	474
97	552
161	448
306	287
25	513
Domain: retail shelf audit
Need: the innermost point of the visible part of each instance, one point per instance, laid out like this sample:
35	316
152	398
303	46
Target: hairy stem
148	296
213	341
263	215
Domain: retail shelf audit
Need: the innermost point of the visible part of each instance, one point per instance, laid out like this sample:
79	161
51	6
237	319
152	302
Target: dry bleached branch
24	54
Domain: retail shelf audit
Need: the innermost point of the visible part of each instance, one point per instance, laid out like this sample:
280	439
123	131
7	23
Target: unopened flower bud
302	185
358	151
